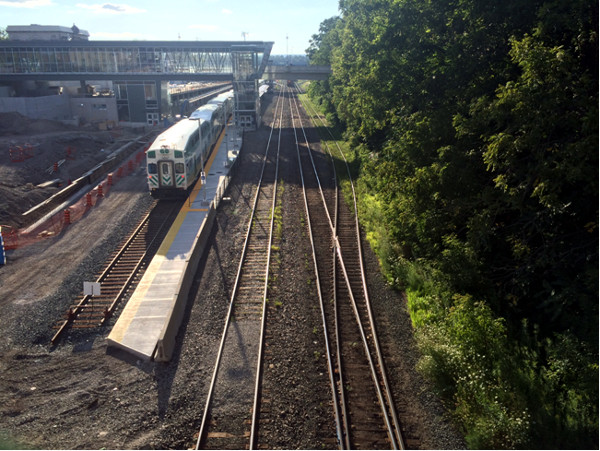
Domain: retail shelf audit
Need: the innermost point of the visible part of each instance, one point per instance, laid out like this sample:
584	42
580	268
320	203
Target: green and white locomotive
177	156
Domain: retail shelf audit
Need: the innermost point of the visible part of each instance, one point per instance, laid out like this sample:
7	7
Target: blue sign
2	254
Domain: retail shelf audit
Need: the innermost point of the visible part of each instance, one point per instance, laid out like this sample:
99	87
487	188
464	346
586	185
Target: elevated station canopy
108	60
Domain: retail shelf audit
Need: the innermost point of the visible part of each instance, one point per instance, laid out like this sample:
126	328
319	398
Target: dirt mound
29	151
16	124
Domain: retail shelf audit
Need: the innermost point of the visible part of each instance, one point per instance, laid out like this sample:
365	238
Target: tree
476	124
320	52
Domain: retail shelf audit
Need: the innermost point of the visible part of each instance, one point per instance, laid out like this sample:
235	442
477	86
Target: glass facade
140	70
100	59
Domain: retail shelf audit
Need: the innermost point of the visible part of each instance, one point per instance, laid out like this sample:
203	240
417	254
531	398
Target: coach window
179	168
152	168
205	128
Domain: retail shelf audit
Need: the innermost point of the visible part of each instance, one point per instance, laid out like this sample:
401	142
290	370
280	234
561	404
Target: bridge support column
246	63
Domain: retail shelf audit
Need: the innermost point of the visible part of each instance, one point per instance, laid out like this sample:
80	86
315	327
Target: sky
289	23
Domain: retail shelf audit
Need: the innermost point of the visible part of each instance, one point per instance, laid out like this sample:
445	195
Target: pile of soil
29	149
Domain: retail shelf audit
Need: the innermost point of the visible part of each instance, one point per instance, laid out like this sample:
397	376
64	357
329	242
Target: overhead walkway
129	60
146	67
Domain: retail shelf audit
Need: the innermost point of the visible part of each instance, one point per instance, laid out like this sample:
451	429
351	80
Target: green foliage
9	442
568	393
505	394
320	52
466	355
545	184
475	127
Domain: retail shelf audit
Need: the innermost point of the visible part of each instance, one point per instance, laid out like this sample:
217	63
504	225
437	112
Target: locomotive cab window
179	168
152	169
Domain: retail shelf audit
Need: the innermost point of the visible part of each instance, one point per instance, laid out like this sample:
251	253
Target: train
176	158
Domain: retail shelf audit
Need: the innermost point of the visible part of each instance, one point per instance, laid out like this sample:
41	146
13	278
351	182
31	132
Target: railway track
320	225
230	415
122	271
364	408
279	413
401	417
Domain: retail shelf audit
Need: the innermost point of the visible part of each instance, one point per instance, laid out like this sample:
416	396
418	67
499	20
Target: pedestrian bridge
133	60
139	72
297	72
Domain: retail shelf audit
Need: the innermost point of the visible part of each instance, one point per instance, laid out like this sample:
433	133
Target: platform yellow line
129	312
209	163
174	230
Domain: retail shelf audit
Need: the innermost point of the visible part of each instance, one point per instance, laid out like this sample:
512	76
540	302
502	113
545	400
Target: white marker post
91	289
203	180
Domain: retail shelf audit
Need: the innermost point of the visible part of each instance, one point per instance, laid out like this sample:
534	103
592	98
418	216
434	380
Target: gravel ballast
81	395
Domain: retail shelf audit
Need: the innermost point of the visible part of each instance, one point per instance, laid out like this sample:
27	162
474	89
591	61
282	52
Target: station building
55	72
46	33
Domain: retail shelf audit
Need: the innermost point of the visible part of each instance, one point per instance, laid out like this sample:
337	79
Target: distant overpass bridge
297	72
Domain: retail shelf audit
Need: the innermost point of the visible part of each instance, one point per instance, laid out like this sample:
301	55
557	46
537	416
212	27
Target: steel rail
257	385
341	433
122	251
334	271
364	281
394	432
336	247
110	310
344	404
205	415
334	223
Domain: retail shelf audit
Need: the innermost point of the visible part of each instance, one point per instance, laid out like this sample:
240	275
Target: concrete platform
148	325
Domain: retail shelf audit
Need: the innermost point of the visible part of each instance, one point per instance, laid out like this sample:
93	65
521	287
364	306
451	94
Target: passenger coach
178	155
175	159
